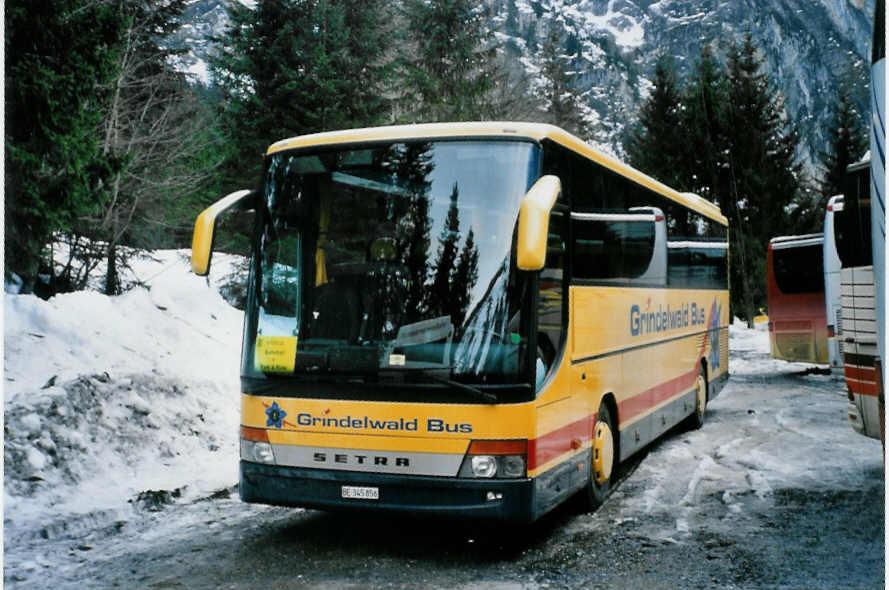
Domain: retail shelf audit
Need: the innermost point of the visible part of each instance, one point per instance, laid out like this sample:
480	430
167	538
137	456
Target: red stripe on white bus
860	373
858	387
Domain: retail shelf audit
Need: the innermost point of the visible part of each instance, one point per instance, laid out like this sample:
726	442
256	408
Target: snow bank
178	326
108	398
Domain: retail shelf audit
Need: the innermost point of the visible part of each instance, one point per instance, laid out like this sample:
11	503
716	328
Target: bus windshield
799	268
393	260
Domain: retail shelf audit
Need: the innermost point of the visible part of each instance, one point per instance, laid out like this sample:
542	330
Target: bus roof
860	164
796	241
533	131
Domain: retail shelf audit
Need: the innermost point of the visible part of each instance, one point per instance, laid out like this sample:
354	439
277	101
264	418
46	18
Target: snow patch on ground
775	427
113	404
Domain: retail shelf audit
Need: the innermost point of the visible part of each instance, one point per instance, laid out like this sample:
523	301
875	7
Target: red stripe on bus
860	373
857	387
644	401
553	444
560	441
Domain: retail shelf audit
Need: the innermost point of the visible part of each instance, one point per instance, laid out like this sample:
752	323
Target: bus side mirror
534	222
205	224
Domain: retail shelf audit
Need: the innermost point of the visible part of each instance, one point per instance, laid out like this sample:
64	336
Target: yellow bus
477	319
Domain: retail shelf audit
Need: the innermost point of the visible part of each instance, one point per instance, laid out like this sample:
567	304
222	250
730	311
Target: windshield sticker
275	354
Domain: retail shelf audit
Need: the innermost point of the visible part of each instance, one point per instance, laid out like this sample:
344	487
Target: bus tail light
500	459
255	445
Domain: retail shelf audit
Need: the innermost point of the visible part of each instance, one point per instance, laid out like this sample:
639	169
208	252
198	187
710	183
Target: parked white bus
852	238
832	299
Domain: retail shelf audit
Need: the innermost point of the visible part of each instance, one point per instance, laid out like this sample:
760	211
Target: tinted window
800	269
394	258
852	224
697	264
550	298
603	253
616	248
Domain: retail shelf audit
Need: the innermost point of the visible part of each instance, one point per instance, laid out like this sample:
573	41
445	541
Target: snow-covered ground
776	426
117	406
107	398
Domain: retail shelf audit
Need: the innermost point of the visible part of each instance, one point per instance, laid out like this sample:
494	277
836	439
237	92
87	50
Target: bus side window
550	327
616	247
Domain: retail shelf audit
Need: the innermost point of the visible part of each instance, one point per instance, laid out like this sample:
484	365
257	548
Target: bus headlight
255	445
484	466
500	459
262	453
512	466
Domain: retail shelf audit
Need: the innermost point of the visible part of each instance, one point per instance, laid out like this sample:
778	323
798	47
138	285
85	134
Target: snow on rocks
107	398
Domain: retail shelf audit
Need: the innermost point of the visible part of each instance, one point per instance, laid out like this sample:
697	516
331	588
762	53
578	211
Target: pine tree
765	176
60	58
654	147
465	278
290	67
558	94
449	65
847	143
413	162
367	74
447	257
705	135
512	18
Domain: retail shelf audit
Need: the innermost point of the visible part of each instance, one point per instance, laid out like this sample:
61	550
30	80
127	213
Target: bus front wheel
602	460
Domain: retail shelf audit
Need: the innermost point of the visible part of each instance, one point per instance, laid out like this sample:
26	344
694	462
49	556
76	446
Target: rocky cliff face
808	46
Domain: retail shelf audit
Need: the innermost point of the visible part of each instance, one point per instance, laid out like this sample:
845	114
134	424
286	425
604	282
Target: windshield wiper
474	391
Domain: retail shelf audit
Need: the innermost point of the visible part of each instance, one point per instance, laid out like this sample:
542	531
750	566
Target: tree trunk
112	278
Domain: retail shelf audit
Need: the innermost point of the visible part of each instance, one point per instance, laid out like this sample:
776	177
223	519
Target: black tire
601	467
702	396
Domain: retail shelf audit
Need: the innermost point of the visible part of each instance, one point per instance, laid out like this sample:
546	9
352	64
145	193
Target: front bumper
438	496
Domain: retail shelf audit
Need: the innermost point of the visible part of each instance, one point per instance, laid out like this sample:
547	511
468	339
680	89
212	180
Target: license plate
361	493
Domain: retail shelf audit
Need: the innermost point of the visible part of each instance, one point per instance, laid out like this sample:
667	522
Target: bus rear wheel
603	460
696	420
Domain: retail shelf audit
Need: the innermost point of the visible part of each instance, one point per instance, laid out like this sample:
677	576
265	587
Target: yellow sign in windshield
275	354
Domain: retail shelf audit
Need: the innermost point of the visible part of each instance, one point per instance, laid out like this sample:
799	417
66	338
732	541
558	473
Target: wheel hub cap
603	452
701	393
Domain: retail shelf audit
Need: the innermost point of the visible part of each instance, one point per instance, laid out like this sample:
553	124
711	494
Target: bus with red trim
471	319
852	235
862	249
795	291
